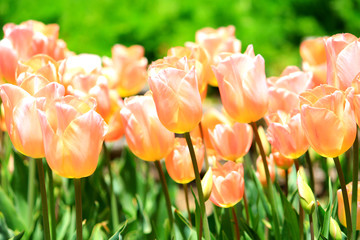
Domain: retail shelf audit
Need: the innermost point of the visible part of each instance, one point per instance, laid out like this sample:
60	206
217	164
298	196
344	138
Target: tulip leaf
117	235
180	218
326	220
252	234
4	231
143	217
62	226
197	212
13	220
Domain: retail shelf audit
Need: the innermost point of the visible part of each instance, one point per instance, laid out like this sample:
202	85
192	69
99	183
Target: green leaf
197	212
18	237
4	232
326	220
248	230
13	220
117	235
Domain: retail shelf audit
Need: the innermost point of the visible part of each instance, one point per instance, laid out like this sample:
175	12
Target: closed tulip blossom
313	54
21	117
242	86
178	162
341	60
126	70
147	138
284	90
341	208
286	134
228	184
327	120
176	96
231	141
73	135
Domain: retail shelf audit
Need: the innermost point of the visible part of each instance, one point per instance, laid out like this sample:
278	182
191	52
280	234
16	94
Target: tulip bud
335	231
307	199
207	183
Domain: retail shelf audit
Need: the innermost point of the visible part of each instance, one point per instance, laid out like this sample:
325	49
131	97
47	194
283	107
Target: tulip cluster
62	106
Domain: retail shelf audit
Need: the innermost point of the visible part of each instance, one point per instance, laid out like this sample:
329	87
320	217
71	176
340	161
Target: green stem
286	190
345	197
311	227
52	204
198	186
44	205
236	224
268	181
311	171
187	202
78	206
113	204
203	141
246	208
166	192
355	184
31	190
301	210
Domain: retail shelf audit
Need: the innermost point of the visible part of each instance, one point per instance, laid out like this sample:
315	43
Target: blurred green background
275	28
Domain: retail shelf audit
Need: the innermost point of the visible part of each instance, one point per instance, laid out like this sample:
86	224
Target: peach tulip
21	117
286	134
341	208
215	42
178	162
284	90
176	96
338	62
231	142
313	54
260	170
242	86
281	161
327	120
354	97
147	138
73	135
228	184
127	69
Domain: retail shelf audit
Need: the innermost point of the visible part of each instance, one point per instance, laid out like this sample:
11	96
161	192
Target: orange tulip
341	208
21	117
147	138
178	162
281	161
177	98
354	97
73	134
313	54
286	134
228	184
242	86
337	60
260	171
126	70
231	142
284	90
215	42
328	120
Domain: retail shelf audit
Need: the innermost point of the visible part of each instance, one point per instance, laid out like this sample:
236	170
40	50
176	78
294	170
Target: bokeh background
275	28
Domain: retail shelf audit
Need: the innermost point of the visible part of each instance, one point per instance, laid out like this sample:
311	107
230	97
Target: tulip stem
31	190
198	186
246	208
311	227
78	206
268	181
355	184
114	209
205	151
311	171
236	223
166	192
187	202
301	210
44	205
286	190
345	197
52	204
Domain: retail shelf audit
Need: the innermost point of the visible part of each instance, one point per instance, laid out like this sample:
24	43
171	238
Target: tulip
341	208
354	97
281	161
177	88
327	120
335	231
228	184
147	138
242	86
178	162
313	54
260	170
231	142
73	134
307	199
336	60
286	134
207	183
284	90
126	70
21	117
